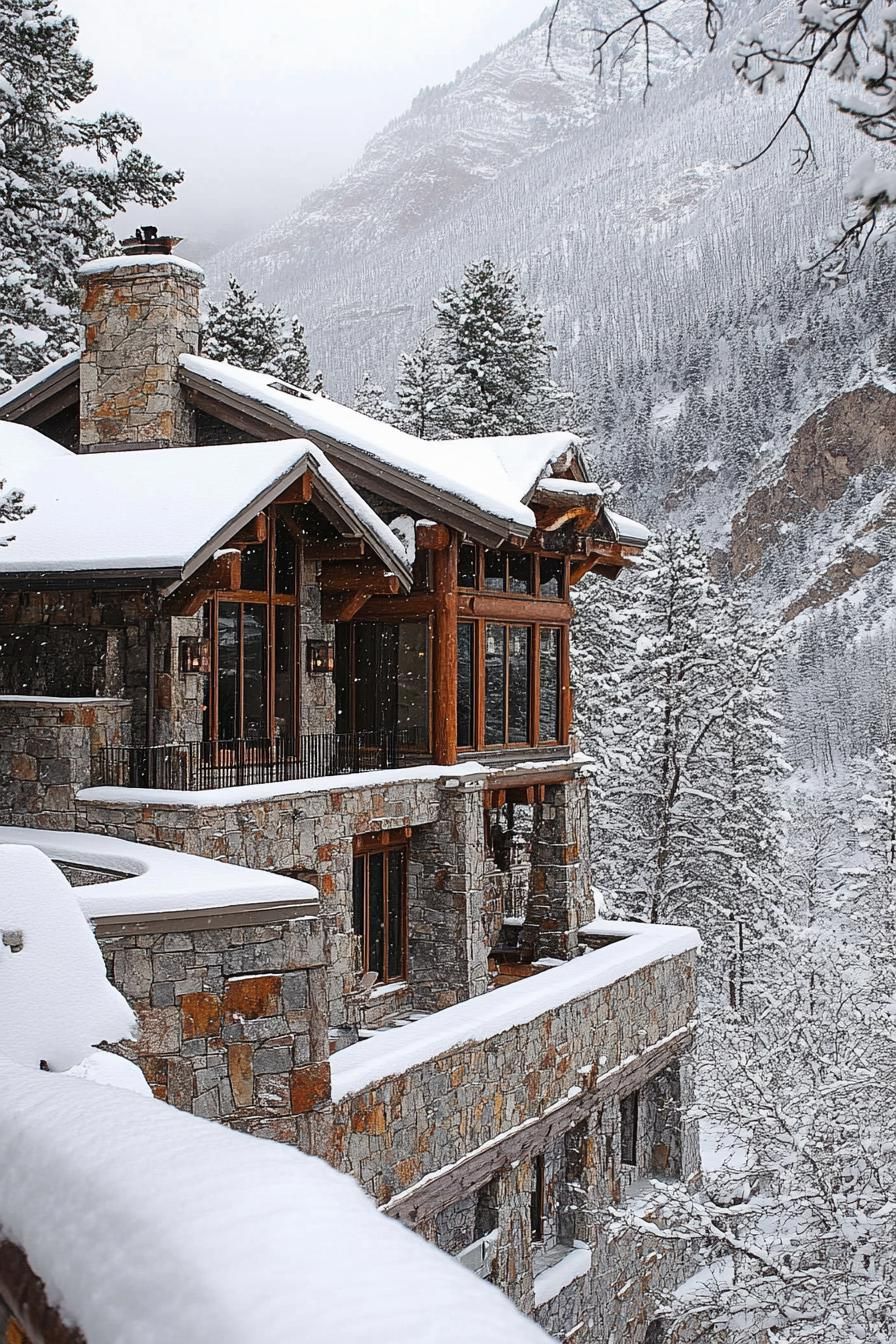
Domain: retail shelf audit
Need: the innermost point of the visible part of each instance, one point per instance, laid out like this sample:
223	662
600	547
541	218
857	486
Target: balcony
224	764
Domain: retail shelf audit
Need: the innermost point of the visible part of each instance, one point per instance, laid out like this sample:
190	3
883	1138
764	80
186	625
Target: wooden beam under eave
300	492
444	655
335	550
433	537
254	533
352	579
342	607
221	574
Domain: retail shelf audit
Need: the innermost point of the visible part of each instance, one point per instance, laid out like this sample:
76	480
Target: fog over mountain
669	277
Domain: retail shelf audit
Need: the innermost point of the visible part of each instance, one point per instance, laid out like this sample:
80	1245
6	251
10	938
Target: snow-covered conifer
242	331
371	399
291	363
420	389
12	509
497	358
684	730
61	179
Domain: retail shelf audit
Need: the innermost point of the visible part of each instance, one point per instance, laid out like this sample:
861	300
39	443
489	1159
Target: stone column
559	891
512	1271
138	315
447	943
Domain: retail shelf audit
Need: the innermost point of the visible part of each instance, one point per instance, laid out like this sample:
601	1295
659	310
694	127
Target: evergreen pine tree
242	331
421	389
56	207
497	358
291	363
370	399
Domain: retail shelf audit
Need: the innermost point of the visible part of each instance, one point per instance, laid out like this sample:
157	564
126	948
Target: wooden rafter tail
433	537
300	492
221	574
552	519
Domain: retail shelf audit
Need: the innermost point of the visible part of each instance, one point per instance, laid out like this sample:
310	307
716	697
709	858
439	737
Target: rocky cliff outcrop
853	435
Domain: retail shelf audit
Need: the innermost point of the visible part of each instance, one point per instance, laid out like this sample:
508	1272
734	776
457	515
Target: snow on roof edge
35	380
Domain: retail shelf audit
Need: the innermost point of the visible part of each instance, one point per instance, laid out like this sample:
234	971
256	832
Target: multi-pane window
253	691
511	571
466	697
379	893
549	684
507	673
382	679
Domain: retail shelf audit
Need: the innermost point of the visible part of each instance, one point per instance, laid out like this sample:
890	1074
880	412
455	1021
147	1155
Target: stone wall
559	893
233	1021
399	1131
46	750
135	322
317	707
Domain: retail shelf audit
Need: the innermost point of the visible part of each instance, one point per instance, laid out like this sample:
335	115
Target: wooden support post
444	655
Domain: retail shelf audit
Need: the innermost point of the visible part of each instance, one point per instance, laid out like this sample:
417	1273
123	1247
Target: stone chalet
245	623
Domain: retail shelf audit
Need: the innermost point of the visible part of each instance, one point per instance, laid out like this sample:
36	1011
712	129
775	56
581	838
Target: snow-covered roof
67	365
626	529
146	1223
493	476
155	880
160	511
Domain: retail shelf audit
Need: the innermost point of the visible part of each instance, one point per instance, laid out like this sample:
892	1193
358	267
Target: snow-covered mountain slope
669	276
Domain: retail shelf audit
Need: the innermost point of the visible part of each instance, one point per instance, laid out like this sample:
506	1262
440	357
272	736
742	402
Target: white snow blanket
147	1224
55	1001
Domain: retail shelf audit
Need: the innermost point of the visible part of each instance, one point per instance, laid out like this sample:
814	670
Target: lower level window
380	911
628	1125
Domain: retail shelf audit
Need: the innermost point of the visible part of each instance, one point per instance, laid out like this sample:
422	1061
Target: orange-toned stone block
239	1070
309	1087
369	1119
407	1171
201	1014
253	996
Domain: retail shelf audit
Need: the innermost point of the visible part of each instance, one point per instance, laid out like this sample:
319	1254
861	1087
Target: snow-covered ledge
393	1052
154	880
551	1281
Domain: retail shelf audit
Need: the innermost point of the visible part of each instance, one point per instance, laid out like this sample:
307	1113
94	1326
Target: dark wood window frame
537	1202
505	591
478	688
628	1129
367	848
270	599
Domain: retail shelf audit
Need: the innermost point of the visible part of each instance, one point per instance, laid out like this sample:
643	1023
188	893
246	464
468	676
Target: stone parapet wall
233	1022
438	1111
46	750
481	1095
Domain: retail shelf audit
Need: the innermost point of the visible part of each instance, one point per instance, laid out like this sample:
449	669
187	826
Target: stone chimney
139	312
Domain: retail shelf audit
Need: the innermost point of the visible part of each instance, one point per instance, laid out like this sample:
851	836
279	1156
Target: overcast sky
260	101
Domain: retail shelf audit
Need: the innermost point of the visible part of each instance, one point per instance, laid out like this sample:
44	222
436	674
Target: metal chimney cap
147	240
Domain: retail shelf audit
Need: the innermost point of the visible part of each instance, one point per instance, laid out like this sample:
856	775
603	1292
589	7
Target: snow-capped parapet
138	261
145	1223
55	1001
394	1052
154	880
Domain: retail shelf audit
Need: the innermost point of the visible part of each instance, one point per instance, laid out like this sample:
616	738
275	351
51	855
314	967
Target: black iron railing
227	763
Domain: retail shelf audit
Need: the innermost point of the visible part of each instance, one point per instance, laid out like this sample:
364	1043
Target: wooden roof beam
221	574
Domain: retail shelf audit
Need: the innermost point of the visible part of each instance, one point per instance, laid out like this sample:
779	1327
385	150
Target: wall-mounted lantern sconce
320	657
194	655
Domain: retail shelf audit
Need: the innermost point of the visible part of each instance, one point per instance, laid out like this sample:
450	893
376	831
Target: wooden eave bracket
342	606
220	574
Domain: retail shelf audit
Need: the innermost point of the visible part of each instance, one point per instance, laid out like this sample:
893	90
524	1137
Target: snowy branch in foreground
850	42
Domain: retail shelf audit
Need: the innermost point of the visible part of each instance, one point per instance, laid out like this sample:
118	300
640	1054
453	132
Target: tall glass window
549	685
518	665
466	701
495	683
379	903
